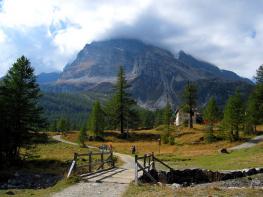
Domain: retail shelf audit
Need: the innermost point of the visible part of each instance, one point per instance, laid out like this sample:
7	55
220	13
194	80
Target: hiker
133	149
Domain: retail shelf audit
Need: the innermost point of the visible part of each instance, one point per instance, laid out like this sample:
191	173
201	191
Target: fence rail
105	157
146	163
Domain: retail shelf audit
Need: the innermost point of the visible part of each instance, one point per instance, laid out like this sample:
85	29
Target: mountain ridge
155	74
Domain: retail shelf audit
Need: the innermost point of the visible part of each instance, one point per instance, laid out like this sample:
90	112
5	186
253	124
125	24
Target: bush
171	140
165	139
210	137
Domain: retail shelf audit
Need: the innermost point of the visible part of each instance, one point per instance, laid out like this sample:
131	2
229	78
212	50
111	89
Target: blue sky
228	33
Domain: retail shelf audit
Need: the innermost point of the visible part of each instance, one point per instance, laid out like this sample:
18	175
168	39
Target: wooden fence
92	162
146	163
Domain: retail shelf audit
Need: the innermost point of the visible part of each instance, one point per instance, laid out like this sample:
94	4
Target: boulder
176	185
249	172
224	151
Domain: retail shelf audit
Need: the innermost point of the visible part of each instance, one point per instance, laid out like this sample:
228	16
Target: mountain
155	74
209	68
43	78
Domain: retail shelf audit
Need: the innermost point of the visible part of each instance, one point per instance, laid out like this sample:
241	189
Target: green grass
147	190
51	157
239	159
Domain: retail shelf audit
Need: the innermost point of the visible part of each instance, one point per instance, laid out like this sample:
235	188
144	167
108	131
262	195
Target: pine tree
82	136
258	101
259	75
167	116
253	114
62	125
96	120
234	114
121	105
211	113
189	101
20	110
146	119
158	117
53	126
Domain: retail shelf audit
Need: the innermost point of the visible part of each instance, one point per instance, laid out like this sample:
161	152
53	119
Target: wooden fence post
90	161
136	171
73	164
153	162
112	159
102	161
75	159
144	160
149	162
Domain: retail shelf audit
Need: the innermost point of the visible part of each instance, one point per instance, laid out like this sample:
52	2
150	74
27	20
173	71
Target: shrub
171	140
210	137
165	139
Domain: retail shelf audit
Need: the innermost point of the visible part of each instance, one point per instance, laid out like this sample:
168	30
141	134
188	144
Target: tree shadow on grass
132	136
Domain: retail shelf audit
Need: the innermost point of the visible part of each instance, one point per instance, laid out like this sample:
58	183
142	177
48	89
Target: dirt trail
248	144
112	183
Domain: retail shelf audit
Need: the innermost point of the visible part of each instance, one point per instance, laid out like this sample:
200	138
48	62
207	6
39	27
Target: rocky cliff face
154	73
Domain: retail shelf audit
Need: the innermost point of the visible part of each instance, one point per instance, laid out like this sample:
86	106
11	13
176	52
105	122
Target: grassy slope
245	158
189	151
153	190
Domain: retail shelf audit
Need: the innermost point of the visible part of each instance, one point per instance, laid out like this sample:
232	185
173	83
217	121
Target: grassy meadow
190	150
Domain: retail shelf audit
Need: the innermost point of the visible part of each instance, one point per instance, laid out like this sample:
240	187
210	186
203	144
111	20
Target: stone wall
196	176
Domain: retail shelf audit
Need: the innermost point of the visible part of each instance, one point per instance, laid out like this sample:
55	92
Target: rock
237	174
259	170
16	174
10	193
176	185
189	177
251	171
224	151
255	183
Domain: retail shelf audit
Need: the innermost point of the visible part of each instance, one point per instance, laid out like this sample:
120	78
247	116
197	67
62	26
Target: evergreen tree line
239	115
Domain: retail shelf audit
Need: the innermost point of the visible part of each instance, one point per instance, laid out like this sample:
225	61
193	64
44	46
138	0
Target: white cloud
2	36
66	26
51	32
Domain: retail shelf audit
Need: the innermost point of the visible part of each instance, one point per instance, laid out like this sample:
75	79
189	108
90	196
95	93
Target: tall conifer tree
20	110
96	120
234	114
189	101
121	105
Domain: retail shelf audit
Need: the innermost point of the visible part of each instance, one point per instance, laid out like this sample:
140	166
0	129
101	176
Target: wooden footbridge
100	167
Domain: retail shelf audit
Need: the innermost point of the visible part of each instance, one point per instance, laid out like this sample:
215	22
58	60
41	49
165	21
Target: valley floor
189	151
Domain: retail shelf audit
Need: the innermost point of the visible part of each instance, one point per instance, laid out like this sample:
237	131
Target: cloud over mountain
50	33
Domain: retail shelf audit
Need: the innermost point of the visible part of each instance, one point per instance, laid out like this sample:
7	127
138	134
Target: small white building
182	117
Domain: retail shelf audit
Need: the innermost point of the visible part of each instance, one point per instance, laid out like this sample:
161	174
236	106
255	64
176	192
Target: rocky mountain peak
154	73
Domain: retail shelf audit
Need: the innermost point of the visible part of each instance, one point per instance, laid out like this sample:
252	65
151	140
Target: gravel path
58	138
248	144
112	183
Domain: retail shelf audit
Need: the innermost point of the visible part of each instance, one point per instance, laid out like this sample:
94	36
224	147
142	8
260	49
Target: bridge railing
146	163
91	162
